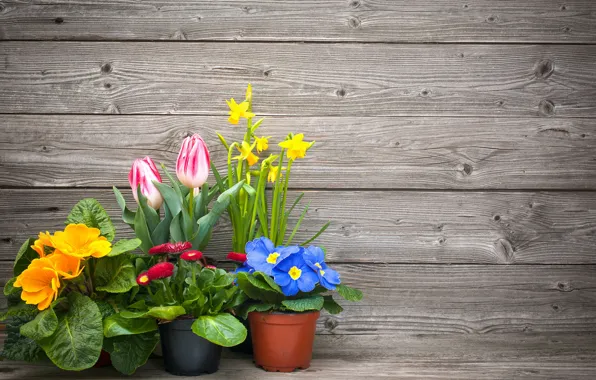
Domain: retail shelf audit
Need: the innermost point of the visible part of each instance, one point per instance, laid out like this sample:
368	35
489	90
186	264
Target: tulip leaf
331	306
176	232
161	233
116	325
127	216
129	352
115	274
90	213
172	198
43	326
151	216
24	257
222	329
348	293
141	231
77	341
124	245
315	302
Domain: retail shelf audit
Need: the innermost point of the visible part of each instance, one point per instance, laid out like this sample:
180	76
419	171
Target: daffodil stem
282	230
275	203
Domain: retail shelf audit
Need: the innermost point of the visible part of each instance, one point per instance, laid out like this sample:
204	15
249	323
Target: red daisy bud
143	279
210	267
192	255
235	256
170	248
160	270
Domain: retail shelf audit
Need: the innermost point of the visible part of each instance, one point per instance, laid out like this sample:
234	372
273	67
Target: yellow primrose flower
40	283
273	173
296	148
262	143
66	266
238	110
45	240
80	241
247	154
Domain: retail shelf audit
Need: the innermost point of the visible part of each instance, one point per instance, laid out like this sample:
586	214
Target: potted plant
287	287
191	303
250	212
65	286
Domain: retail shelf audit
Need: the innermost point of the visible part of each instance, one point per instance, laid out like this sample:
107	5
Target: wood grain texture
412	153
465	299
344	79
329	20
372	226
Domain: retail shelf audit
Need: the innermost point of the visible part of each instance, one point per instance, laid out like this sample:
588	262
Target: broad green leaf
177	229
117	325
258	289
127	216
348	293
106	309
171	197
331	306
161	233
168	313
90	213
303	304
24	257
129	352
76	343
124	245
115	274
43	326
151	216
20	309
244	310
141	231
222	329
16	346
268	280
9	288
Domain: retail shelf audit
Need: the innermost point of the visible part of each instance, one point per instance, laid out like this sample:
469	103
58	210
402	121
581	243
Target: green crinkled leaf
77	342
348	293
24	257
9	288
129	352
43	326
16	346
127	216
105	308
331	306
91	213
116	325
222	329
114	274
304	304
124	245
20	309
248	308
258	289
268	280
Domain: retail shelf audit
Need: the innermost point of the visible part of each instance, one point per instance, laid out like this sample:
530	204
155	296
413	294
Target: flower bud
143	173
192	165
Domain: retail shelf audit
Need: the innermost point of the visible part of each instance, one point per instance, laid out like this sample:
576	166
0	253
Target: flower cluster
293	268
60	257
165	269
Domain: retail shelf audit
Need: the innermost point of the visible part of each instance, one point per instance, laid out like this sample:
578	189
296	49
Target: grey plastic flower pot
184	352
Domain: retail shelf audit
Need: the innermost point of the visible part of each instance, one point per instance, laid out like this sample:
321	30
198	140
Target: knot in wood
546	107
341	93
492	19
354	4
500	103
107	85
2	7
267	73
566	29
504	251
425	92
564	286
466	6
331	323
544	69
58	20
563	7
8	240
354	22
106	68
465	169
496	218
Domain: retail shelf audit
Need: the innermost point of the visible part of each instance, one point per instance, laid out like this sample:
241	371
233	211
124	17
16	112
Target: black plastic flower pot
246	346
184	352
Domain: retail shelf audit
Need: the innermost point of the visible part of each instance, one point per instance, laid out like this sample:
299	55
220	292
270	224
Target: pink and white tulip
192	166
143	173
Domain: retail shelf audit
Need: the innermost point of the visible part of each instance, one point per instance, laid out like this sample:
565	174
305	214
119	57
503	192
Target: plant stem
191	203
275	205
282	230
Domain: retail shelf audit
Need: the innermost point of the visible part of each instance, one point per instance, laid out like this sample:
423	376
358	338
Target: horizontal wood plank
372	226
464	299
415	153
329	20
344	79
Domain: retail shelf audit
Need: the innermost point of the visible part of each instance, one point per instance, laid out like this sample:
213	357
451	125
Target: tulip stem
191	205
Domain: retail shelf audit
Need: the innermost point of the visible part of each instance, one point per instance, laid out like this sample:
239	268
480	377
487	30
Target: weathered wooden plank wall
456	155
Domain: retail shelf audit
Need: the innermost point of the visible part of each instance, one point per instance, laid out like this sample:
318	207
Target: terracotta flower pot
283	342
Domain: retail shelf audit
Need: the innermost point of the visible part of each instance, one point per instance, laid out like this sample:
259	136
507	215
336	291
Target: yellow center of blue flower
295	273
272	258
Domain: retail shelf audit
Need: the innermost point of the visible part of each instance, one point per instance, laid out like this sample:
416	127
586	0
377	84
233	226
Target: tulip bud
142	173
192	166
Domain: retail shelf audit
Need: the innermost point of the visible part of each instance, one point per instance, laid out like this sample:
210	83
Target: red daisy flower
192	255
170	248
160	270
143	279
236	256
211	267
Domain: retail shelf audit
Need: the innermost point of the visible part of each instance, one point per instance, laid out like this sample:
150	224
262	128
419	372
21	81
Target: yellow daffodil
247	154
249	93
40	283
273	173
296	148
45	240
238	110
80	241
262	143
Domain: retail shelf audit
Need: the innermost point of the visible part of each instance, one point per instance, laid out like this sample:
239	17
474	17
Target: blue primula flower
293	274
262	255
315	259
244	268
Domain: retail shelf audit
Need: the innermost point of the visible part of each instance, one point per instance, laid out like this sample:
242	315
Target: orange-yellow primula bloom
296	148
40	283
247	154
238	110
81	241
68	267
44	240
